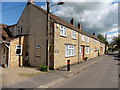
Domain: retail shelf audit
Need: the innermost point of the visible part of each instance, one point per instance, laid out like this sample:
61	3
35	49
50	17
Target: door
83	53
4	57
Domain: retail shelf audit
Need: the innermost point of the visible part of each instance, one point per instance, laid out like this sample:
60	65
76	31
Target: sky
98	16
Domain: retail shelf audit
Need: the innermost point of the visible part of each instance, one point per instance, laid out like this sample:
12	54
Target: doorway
5	51
83	53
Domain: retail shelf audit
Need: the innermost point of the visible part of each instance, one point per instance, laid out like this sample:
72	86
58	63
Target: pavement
103	74
53	77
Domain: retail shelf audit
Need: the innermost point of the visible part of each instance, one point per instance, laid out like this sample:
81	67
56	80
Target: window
63	31
73	34
87	50
83	38
18	49
70	50
87	39
19	30
80	50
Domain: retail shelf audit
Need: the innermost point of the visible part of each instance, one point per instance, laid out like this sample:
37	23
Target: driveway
16	74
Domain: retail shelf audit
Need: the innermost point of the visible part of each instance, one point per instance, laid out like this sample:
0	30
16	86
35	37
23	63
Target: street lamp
48	31
59	3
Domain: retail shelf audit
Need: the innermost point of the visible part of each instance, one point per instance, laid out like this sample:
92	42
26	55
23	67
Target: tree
102	38
116	41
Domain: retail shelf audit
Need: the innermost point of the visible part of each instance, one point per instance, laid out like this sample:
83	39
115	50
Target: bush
43	67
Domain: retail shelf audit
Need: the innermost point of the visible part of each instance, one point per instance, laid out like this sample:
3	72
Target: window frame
19	48
64	31
87	50
70	51
87	39
74	34
81	50
83	38
19	30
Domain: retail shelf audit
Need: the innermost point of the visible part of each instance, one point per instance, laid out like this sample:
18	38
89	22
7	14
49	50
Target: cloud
99	16
110	36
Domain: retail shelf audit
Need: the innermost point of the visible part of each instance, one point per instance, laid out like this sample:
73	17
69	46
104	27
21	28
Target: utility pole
48	35
48	31
105	42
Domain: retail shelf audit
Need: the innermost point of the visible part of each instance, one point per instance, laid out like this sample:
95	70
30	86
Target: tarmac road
104	74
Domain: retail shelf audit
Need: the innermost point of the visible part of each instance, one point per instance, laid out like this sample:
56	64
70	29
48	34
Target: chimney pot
79	26
72	21
93	34
31	1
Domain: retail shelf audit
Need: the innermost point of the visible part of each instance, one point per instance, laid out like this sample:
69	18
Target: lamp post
48	31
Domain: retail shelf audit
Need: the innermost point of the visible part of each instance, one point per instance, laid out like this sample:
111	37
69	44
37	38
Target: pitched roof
4	35
61	21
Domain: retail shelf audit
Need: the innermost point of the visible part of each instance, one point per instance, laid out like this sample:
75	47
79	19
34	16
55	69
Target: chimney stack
72	21
31	1
93	34
79	26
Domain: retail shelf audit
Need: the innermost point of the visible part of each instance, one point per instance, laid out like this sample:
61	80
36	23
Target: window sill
69	56
18	54
63	36
74	38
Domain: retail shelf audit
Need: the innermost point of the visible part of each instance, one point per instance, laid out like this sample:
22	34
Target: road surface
104	74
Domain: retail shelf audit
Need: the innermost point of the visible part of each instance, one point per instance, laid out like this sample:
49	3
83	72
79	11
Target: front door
83	53
4	55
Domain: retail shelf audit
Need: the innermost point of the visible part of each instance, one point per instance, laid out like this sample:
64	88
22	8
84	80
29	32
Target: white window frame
70	50
87	39
19	48
63	30
81	50
73	34
83	38
87	50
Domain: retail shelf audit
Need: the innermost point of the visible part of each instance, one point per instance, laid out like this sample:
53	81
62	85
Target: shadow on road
116	58
115	55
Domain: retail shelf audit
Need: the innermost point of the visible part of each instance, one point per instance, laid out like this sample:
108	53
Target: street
103	74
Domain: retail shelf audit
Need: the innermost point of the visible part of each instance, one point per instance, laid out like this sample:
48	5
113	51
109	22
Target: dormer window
63	31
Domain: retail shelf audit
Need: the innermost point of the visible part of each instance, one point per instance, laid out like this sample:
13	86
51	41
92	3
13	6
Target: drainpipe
78	49
8	46
79	26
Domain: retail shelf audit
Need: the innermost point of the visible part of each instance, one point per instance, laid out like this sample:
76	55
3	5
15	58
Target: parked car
119	54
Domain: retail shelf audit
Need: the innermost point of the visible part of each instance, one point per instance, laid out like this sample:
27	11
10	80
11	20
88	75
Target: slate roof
63	22
5	34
